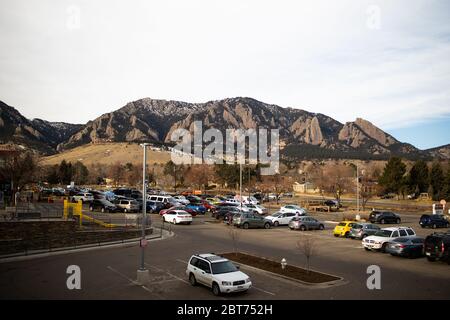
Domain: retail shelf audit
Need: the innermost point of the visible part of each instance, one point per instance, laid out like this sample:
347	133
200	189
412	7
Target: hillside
304	134
107	153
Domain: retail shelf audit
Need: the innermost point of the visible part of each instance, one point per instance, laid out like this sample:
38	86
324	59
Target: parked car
102	205
384	217
293	209
168	201
193	198
343	228
208	205
214	200
229	217
128	205
223	211
217	273
362	230
381	238
181	199
154	207
437	247
83	196
282	218
177	217
306	223
256	208
406	247
190	211
197	207
434	221
251	220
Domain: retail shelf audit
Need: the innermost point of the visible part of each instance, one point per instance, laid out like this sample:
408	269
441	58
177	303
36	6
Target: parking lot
109	273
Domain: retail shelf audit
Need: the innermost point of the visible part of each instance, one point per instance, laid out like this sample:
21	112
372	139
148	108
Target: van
166	200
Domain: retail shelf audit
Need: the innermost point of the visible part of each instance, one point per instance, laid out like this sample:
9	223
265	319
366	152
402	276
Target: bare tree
235	235
307	247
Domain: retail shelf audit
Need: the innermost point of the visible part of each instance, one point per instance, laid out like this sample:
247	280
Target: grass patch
290	271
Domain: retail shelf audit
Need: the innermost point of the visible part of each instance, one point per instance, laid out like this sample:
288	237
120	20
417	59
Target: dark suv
433	220
102	205
437	246
384	217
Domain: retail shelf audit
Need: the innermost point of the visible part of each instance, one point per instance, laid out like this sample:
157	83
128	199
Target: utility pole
357	187
240	183
142	273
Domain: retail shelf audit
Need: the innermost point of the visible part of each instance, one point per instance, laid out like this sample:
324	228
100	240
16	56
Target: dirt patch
294	272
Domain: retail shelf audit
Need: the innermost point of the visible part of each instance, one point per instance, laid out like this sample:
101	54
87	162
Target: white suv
217	273
381	238
282	218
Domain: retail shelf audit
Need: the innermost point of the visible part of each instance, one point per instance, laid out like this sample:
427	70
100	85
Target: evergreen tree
392	177
418	178
437	181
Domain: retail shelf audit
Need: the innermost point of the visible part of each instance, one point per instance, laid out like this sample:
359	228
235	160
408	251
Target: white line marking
172	275
122	275
272	294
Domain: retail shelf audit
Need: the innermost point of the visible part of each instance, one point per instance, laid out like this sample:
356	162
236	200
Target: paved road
109	273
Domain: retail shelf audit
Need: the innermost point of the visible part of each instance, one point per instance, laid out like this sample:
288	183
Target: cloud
321	56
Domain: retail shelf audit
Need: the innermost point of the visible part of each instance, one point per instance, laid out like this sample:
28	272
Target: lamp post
357	188
142	272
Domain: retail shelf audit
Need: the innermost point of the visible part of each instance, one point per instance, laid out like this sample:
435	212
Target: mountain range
302	134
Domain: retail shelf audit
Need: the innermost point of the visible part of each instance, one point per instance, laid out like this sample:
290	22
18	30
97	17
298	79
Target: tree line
420	178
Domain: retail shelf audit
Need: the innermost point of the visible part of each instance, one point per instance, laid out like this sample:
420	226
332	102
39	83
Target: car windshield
276	214
383	233
357	226
223	267
342	224
106	202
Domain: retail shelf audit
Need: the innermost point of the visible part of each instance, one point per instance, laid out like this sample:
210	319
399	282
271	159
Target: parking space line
271	293
172	275
121	274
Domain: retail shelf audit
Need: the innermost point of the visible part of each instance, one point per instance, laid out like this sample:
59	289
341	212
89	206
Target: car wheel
434	226
216	289
398	221
125	210
189	223
336	235
364	236
302	228
383	248
174	221
267	225
192	280
91	209
103	210
245	226
276	224
346	234
382	221
431	259
367	249
321	227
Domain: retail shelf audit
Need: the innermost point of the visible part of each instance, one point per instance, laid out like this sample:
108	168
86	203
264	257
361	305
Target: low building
307	187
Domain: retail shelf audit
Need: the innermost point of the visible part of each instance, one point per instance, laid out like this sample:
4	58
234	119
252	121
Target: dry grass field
107	153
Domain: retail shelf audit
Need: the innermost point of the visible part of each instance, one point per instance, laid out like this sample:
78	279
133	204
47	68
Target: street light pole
142	273
357	188
240	183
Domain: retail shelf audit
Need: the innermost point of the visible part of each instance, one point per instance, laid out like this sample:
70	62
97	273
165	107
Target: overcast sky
385	61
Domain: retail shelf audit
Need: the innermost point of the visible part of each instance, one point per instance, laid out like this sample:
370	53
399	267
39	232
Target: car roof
211	257
395	228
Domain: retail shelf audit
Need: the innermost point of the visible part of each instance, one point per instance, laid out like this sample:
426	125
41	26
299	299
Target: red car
208	205
190	211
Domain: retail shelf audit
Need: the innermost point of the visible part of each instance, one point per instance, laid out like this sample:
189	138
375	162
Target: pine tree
437	181
392	177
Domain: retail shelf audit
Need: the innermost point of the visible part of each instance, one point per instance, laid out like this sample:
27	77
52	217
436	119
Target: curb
129	243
